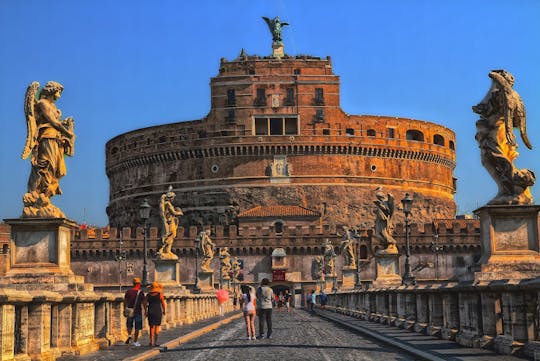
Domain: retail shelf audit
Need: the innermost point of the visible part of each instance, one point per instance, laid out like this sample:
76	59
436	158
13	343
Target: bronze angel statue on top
275	26
49	138
500	112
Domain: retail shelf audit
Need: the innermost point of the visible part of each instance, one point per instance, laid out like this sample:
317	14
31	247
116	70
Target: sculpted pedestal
40	256
330	284
387	270
349	278
167	271
206	281
510	242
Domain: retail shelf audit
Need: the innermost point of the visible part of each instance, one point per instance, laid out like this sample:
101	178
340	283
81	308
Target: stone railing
45	325
502	315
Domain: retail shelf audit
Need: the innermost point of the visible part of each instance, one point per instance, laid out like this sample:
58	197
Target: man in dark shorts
134	298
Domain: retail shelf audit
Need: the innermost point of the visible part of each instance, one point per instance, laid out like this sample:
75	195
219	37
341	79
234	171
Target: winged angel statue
383	222
500	112
275	26
49	138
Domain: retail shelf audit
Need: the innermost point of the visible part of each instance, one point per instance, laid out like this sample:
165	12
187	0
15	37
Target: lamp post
196	288
436	248
120	257
144	213
408	277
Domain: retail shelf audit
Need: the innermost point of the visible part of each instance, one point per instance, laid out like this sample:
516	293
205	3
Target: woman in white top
248	301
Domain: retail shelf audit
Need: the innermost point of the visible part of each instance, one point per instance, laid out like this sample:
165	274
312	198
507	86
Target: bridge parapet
45	325
500	315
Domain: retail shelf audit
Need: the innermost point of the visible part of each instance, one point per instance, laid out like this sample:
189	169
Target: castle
274	170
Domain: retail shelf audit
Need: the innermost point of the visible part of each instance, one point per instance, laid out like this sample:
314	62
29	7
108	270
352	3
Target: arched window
451	145
370	132
438	139
278	226
415	135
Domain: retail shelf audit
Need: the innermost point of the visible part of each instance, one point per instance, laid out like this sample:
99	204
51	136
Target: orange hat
136	280
155	287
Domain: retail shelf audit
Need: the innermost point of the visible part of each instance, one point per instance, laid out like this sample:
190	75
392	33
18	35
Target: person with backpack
134	302
265	294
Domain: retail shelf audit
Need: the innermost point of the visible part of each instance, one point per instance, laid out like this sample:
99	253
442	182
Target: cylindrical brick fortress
276	135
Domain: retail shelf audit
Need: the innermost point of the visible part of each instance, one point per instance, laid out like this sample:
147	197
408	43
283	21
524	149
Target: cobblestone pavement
296	336
121	351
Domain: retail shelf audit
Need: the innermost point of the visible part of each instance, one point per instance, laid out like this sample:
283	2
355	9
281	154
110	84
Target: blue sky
132	64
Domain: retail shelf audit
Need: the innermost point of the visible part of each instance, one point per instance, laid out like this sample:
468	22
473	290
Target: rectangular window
326	131
261	126
276	126
297	71
231	97
231	116
291	126
261	97
319	115
349	131
289	100
391	133
319	96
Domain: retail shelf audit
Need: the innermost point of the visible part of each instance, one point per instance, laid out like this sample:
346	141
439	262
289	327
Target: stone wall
98	259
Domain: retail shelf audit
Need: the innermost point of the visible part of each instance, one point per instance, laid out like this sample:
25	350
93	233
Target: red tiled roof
279	211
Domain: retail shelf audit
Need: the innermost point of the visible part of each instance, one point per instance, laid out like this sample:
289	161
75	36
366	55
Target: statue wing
269	23
390	203
520	120
31	126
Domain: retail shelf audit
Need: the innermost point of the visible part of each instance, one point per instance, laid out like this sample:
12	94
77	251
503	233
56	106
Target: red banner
278	275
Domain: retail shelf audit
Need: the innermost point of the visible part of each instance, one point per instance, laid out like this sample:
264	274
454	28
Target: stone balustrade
45	325
501	315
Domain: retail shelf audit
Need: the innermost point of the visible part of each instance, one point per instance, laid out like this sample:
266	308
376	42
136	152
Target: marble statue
235	269
169	220
500	112
347	250
275	26
49	138
225	262
329	259
383	222
207	247
319	267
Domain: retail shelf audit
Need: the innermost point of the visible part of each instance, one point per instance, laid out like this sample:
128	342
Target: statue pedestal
330	284
387	270
40	256
349	278
278	50
167	272
206	281
510	242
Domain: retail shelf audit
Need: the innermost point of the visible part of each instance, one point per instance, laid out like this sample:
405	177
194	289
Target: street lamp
196	288
144	213
408	277
121	256
436	248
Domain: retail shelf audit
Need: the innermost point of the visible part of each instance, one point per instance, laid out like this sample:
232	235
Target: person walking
323	298
248	301
287	298
134	302
265	295
312	301
155	310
